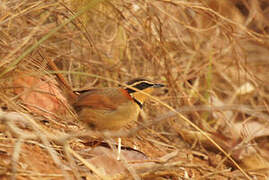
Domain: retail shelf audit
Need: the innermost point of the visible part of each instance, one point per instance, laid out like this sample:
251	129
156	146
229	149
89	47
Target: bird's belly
109	119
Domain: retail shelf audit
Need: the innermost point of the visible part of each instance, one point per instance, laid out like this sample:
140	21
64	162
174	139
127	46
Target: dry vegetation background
211	54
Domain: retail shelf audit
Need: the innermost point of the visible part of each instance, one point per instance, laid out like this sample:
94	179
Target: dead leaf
105	160
40	95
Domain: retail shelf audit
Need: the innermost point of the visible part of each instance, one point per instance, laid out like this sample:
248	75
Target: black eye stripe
139	85
142	85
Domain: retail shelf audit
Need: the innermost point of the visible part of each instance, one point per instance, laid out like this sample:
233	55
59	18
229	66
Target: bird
112	108
108	108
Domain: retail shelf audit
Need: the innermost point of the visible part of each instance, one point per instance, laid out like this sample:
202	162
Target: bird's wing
95	99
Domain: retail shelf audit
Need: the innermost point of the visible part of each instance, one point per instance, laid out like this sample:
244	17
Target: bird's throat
131	97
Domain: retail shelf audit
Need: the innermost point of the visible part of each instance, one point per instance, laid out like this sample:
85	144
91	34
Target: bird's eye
143	85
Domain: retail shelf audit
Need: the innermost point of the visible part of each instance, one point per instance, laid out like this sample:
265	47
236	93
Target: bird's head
139	85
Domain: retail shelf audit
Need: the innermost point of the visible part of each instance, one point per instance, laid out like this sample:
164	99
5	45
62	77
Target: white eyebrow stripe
139	82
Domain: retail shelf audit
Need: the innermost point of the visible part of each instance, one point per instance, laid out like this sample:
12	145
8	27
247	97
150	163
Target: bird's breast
110	119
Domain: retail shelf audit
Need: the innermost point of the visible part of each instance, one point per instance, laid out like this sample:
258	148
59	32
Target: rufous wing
95	100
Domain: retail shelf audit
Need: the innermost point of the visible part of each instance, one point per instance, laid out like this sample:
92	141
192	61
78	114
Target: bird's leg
119	149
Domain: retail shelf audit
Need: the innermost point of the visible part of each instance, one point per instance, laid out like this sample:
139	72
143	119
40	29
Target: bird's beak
158	85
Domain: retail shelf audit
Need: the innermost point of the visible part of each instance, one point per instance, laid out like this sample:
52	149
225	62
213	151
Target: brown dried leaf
106	160
251	129
40	95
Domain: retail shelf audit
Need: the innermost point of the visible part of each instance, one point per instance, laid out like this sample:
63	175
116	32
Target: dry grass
213	56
